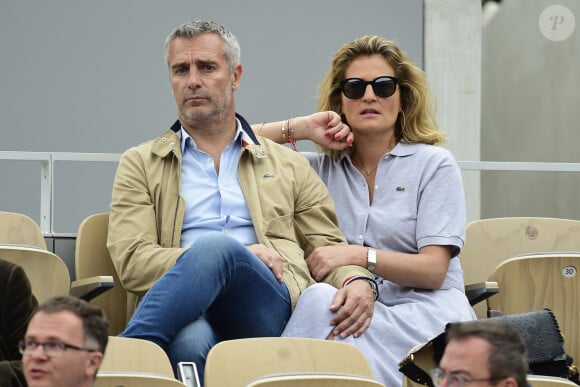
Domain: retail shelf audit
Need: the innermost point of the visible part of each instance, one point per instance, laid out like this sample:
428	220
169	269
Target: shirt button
360	237
376	187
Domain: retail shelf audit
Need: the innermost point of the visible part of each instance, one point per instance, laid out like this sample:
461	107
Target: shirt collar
185	137
400	150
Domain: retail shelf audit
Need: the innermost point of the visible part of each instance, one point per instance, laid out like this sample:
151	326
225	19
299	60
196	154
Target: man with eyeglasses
64	344
485	352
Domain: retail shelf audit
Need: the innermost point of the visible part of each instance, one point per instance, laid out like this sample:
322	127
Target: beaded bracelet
284	130
290	138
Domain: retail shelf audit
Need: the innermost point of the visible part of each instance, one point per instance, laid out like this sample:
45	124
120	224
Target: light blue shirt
213	202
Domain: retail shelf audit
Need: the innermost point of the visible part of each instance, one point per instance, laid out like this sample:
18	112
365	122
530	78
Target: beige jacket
290	207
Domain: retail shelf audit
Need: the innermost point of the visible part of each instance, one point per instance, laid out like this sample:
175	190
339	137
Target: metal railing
47	162
47	166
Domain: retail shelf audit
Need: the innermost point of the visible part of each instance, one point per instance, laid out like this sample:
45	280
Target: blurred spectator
486	351
16	307
64	344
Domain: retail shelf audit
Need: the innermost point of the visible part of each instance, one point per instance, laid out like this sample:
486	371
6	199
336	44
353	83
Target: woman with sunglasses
400	203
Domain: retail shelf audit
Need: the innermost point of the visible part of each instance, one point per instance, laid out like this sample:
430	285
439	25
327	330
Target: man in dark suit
17	303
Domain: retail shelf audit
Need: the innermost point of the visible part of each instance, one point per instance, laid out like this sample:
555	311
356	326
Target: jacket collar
170	140
249	138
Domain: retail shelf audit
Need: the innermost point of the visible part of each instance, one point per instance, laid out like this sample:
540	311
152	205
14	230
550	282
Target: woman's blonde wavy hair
416	124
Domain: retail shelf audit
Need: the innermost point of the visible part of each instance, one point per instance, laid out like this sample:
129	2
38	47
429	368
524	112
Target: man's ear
236	75
94	363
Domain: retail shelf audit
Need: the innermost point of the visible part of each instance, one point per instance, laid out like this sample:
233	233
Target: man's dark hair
95	324
508	355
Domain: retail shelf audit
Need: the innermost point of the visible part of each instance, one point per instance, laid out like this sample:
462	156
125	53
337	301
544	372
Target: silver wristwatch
371	259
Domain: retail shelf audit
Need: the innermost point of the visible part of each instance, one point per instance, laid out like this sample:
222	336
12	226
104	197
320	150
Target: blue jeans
217	290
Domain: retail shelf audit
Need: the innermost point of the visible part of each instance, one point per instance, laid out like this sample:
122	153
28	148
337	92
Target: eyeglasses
456	380
355	88
51	348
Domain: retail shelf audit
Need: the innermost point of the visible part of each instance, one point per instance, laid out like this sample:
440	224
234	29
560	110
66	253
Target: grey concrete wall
530	107
453	65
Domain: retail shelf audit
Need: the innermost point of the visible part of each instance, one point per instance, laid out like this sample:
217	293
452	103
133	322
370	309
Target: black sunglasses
383	87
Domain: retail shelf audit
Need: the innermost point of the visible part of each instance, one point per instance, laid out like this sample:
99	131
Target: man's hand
270	257
355	305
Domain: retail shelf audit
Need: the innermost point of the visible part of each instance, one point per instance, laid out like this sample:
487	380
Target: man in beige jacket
212	222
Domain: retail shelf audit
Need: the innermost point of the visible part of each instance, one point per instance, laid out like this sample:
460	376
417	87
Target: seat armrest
89	288
494	313
481	291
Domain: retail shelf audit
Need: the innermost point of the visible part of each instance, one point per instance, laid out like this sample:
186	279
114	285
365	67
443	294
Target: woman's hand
325	129
323	259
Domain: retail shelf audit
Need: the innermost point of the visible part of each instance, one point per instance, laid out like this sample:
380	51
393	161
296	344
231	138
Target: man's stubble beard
209	119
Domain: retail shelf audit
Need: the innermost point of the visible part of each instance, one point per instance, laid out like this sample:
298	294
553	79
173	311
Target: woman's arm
323	128
425	270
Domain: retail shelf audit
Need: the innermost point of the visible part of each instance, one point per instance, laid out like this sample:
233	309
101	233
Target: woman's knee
317	293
